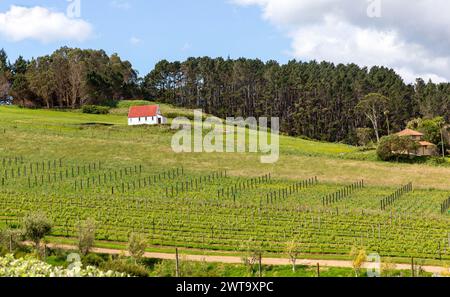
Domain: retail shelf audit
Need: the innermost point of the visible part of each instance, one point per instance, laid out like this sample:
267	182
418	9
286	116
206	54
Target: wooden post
177	264
412	267
318	269
260	265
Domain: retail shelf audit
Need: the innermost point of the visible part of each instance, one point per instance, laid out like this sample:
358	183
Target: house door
159	121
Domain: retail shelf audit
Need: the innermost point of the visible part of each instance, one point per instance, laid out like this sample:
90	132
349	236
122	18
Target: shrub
124	266
86	236
364	136
395	146
437	161
36	227
27	267
10	239
136	246
95	109
130	103
93	260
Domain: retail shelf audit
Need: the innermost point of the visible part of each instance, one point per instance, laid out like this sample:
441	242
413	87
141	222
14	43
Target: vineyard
74	167
215	211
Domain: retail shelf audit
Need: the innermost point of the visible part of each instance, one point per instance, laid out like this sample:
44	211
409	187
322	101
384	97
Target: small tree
395	146
293	251
86	236
446	271
252	251
373	106
136	246
36	227
359	256
364	136
388	268
10	239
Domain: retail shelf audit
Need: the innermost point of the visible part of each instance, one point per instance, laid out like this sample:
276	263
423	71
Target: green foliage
125	266
94	109
28	267
364	136
388	268
373	106
252	251
130	103
136	245
72	77
10	239
86	236
312	99
166	268
293	250
431	128
384	150
36	227
394	146
359	256
93	260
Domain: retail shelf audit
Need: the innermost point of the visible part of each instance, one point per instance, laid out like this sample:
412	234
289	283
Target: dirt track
238	260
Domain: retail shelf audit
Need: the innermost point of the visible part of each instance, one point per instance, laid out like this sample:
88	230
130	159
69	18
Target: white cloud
39	23
413	37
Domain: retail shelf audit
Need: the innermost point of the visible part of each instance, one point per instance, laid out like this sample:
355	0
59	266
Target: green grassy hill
74	135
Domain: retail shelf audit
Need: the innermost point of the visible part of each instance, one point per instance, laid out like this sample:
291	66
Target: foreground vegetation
11	267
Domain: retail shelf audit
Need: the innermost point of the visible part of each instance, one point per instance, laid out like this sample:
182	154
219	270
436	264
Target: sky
413	37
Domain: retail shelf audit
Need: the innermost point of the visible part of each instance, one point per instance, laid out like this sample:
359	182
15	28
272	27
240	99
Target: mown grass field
76	166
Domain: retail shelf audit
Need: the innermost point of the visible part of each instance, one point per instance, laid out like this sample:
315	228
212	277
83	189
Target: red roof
409	132
426	143
143	111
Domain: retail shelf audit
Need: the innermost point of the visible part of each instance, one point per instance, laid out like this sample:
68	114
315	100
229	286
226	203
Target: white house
145	115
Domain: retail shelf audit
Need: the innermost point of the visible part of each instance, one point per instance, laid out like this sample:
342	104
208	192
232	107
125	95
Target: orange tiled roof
409	132
426	143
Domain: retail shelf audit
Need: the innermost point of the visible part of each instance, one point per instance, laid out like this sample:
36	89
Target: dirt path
238	260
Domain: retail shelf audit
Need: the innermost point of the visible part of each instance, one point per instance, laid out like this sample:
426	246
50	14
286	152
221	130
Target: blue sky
412	37
145	32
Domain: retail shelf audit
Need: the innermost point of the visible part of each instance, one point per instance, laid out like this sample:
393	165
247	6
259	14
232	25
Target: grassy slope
51	134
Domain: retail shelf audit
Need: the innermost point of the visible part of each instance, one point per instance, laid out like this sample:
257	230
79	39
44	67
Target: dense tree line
68	78
316	100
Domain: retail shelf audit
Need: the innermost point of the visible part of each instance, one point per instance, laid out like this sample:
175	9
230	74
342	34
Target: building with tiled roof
425	148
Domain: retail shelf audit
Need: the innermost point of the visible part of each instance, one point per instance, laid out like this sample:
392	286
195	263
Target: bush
86	236
95	109
394	146
126	267
93	260
36	227
10	239
437	161
130	103
136	246
28	267
364	135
